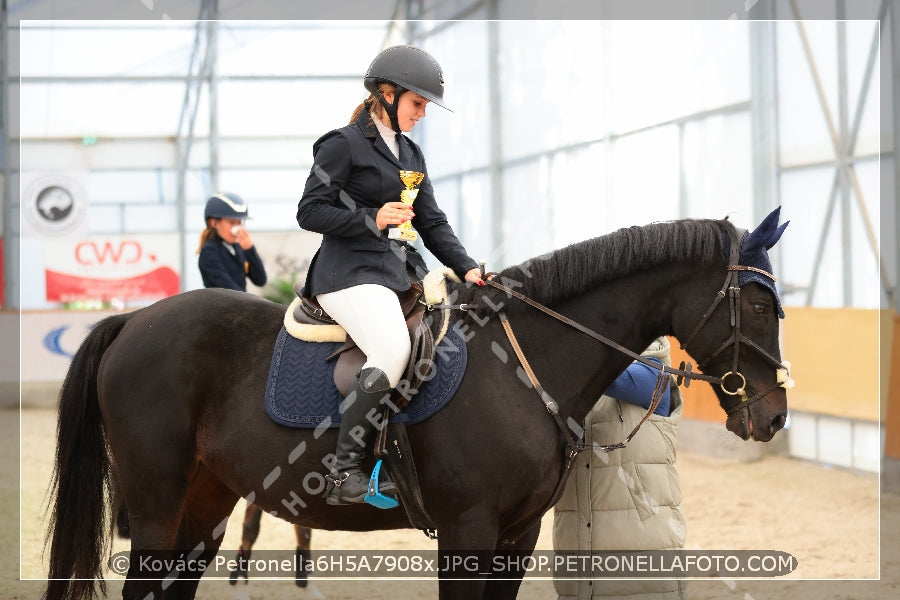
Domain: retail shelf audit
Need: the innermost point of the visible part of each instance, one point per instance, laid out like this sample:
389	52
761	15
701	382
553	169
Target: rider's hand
474	276
393	213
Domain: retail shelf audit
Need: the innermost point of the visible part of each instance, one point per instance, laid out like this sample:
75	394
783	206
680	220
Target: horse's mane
579	267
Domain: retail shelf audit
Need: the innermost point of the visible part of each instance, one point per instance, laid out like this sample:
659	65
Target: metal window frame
843	134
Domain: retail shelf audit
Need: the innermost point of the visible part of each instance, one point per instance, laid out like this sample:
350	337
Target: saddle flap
351	358
349	363
409	300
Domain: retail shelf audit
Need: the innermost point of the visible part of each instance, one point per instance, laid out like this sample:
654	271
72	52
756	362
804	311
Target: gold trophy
404	231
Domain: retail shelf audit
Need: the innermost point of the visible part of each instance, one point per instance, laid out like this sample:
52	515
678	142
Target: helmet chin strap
391	107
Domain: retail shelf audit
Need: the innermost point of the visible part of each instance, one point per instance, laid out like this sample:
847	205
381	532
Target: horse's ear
754	254
776	236
766	234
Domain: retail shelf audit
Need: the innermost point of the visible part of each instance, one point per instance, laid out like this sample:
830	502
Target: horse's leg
505	582
155	504
200	533
118	505
304	541
122	523
249	533
153	536
465	547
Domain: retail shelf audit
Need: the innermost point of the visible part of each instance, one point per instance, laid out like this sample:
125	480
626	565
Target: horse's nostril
777	423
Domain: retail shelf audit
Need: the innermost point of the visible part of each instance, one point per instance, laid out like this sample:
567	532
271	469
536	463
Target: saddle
305	319
425	332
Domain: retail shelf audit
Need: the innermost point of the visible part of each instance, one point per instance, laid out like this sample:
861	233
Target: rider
352	197
227	254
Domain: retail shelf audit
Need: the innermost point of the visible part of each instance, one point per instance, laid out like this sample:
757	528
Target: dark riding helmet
409	68
225	205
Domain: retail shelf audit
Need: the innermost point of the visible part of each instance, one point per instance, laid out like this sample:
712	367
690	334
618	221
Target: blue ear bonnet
754	253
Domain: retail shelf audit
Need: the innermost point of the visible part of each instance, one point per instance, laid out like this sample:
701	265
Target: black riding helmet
409	68
225	205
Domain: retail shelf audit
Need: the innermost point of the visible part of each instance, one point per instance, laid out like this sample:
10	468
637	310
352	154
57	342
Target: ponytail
372	104
204	236
364	105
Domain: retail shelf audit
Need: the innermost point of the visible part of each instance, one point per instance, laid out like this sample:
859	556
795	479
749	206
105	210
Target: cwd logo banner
136	267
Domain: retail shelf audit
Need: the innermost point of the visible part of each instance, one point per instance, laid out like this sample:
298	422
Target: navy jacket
222	269
353	175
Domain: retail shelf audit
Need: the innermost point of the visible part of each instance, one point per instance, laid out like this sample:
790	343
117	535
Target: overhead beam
106	79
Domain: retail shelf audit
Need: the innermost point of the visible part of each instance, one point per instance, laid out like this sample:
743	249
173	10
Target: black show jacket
222	269
353	175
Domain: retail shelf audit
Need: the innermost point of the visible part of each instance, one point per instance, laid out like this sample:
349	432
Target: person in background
629	498
227	254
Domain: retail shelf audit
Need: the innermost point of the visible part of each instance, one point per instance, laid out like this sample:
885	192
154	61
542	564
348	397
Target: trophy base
403	234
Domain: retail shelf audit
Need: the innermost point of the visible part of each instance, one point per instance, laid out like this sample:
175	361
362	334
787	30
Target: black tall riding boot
346	482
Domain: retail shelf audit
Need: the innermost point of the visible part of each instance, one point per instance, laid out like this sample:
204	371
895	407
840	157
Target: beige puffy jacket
627	499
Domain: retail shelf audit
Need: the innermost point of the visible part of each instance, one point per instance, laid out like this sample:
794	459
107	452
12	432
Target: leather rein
683	375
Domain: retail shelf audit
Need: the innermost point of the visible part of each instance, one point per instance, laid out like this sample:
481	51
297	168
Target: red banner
159	283
2	278
108	268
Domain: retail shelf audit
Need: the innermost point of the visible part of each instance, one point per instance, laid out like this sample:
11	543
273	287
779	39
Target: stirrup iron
375	498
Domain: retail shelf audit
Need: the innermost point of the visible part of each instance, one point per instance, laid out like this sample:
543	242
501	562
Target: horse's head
740	342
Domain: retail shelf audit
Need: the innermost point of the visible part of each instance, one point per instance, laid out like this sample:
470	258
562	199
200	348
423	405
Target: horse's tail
79	489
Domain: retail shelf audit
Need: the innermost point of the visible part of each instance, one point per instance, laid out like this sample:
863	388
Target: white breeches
372	316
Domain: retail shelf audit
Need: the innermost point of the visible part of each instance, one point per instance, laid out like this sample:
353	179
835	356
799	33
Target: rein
683	374
576	446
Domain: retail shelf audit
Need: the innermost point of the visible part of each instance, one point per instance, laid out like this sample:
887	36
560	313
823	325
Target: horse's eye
759	308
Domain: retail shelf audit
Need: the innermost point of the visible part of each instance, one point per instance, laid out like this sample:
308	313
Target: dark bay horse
166	401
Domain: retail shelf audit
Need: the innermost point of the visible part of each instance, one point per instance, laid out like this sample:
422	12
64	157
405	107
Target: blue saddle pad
301	392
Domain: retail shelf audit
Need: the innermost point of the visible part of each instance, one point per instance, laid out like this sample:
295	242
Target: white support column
10	229
496	126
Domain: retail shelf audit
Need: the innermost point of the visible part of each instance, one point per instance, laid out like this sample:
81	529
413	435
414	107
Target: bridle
732	289
684	374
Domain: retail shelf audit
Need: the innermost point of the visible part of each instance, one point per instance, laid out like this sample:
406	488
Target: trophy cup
404	231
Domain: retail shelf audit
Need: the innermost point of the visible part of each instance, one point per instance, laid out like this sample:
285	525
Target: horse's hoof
302	576
241	595
312	592
235	575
